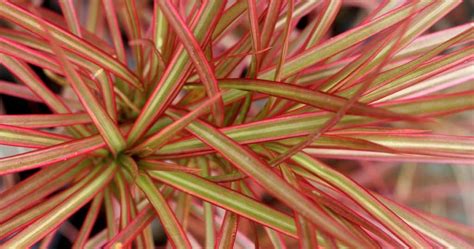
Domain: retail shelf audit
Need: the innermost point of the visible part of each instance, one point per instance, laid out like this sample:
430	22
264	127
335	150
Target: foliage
165	125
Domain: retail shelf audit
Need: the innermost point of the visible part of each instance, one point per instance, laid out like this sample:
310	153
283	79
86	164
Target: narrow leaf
164	135
19	16
167	218
246	161
227	199
44	120
191	44
49	155
23	137
389	219
106	126
47	223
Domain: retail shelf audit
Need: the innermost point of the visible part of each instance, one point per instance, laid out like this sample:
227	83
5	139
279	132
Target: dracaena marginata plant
189	112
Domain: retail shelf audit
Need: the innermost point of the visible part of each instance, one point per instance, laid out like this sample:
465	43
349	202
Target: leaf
114	29
17	50
27	76
192	46
89	221
383	51
228	199
427	70
106	126
423	143
170	83
44	120
23	137
285	41
157	140
324	22
269	24
150	164
69	12
19	91
41	180
209	212
26	203
226	237
93	16
343	41
302	95
127	235
57	215
255	35
246	161
301	124
376	209
433	231
231	14
167	218
452	78
49	155
19	16
18	219
434	106
132	22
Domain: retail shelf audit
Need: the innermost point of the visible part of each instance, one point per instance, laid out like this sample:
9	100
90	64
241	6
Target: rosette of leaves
188	112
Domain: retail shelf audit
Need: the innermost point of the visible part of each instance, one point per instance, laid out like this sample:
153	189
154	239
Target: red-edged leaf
191	44
171	225
49	155
22	189
45	120
69	12
249	163
33	23
89	221
112	21
228	199
57	215
302	95
164	135
23	137
106	126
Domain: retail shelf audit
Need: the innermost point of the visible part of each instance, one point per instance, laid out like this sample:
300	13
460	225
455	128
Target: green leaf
106	126
27	76
167	218
89	221
228	231
23	137
247	162
343	41
228	199
303	124
19	16
46	183
172	80
324	22
44	120
431	230
362	197
67	8
49	155
114	28
127	235
302	95
192	46
132	22
44	225
157	140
